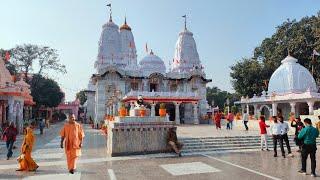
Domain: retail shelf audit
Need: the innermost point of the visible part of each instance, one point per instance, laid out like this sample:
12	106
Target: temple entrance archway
266	111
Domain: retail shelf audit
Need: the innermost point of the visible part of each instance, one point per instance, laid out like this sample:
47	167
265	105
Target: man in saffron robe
71	140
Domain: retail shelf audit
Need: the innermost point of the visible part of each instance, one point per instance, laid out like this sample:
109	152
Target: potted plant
142	111
162	110
122	110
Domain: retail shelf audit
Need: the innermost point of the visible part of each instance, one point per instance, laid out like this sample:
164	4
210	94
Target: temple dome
152	64
291	77
186	56
125	26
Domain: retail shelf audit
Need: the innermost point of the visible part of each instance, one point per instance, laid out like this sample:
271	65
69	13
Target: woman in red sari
217	120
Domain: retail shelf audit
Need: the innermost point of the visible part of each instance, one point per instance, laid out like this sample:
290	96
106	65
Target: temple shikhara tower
120	78
15	98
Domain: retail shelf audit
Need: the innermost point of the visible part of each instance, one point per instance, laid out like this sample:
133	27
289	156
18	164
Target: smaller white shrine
291	88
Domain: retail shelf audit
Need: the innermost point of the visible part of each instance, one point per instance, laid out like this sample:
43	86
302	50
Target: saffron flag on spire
7	56
315	53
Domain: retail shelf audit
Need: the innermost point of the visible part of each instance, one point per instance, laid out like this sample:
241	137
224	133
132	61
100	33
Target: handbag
20	158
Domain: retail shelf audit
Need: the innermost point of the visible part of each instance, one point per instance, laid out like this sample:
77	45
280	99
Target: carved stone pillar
255	110
114	109
310	104
242	108
177	113
195	113
293	107
274	109
153	109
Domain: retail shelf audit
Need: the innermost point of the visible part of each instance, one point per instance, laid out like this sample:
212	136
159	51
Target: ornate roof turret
128	47
186	56
125	26
109	52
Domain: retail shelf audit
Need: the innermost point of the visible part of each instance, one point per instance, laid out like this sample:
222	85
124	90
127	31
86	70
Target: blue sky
224	30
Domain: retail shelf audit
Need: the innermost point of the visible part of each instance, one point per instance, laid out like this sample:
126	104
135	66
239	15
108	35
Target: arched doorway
155	82
266	111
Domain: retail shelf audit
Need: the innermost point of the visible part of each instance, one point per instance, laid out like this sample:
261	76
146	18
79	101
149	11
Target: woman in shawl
25	160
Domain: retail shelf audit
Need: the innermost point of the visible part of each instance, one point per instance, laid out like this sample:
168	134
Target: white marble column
248	109
195	113
293	107
11	115
310	104
274	109
153	109
177	113
114	110
255	110
165	85
131	105
242	108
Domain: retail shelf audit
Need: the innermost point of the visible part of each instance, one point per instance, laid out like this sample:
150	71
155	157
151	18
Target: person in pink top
263	133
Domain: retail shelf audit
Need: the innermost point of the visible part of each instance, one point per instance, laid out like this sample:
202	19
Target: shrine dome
291	77
152	64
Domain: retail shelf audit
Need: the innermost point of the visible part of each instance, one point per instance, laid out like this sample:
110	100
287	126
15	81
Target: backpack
10	133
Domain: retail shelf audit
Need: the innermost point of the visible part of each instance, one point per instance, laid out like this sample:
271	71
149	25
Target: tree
81	96
25	56
297	38
247	77
219	97
45	92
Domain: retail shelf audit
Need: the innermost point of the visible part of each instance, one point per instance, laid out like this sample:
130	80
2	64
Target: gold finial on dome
125	25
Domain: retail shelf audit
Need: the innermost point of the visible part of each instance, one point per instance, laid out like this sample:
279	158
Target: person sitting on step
172	141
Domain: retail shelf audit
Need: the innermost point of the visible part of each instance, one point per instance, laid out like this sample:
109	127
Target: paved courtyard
94	164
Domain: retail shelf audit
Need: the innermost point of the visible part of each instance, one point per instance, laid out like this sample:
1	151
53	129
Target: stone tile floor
95	165
206	130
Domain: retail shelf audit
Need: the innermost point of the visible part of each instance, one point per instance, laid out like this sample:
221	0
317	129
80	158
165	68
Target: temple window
134	86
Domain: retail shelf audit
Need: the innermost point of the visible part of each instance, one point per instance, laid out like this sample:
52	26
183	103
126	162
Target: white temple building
291	88
120	78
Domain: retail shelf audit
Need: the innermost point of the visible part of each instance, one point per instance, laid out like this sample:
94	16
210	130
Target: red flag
7	57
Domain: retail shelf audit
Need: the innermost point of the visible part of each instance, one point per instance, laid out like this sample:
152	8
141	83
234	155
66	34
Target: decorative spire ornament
185	21
110	17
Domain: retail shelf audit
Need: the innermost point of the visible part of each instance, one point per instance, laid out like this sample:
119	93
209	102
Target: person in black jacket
298	125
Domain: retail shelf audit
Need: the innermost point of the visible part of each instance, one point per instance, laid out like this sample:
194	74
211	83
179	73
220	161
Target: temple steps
227	144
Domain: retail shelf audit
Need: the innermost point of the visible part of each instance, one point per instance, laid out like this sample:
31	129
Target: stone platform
137	135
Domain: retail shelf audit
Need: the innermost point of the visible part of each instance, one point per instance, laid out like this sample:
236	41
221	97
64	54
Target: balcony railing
162	94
